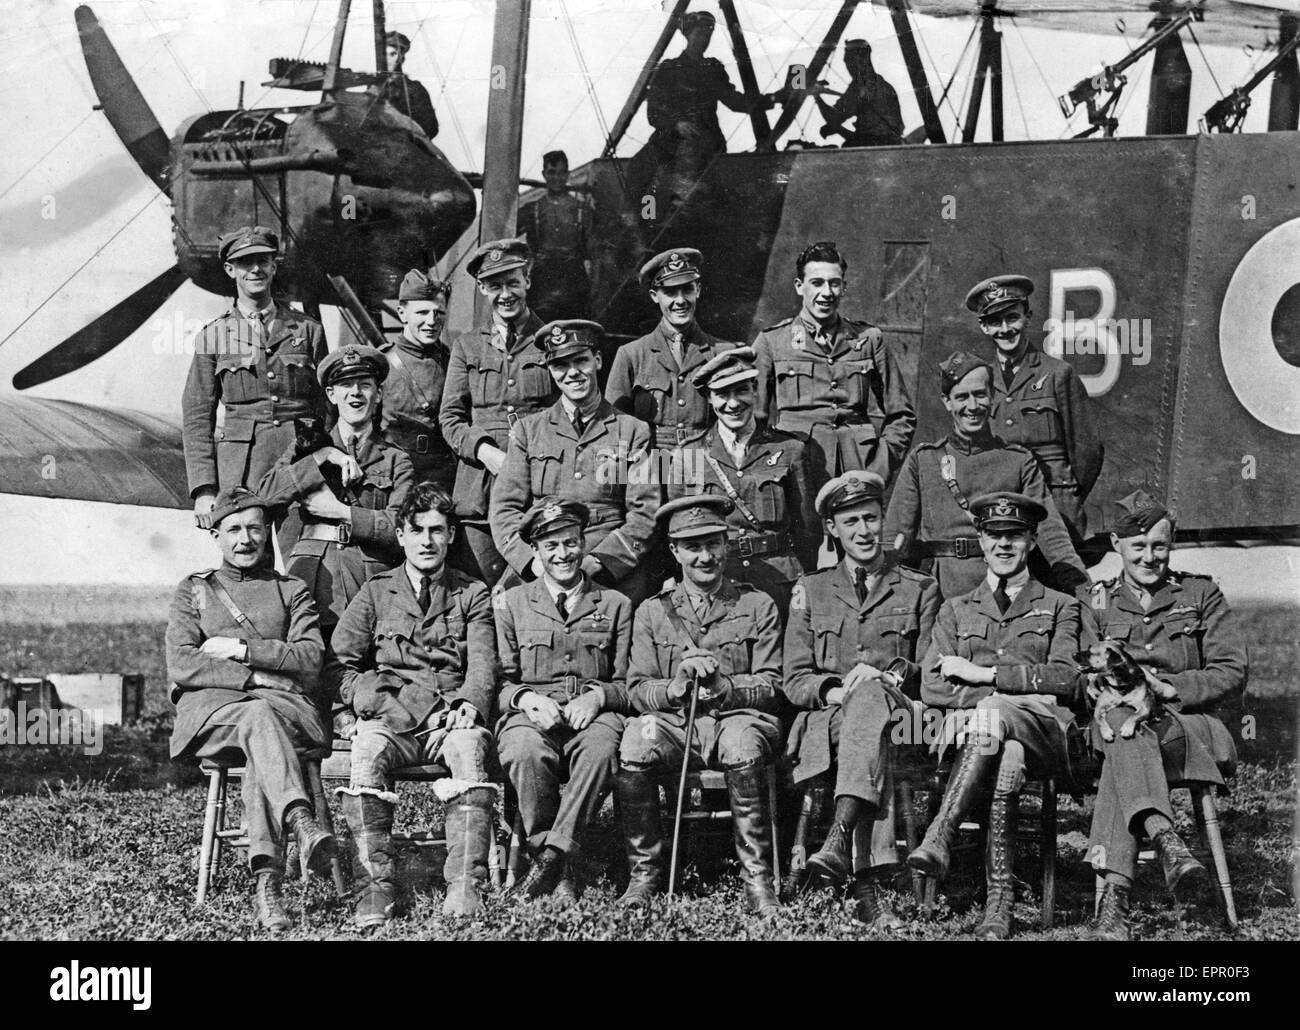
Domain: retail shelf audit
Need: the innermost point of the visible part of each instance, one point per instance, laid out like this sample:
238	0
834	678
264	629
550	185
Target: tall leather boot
935	850
1112	917
469	835
998	859
370	820
753	831
638	802
268	902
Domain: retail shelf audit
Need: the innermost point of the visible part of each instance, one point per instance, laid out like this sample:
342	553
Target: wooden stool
215	830
1206	812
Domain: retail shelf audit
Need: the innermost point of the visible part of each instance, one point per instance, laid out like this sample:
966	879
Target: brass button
577	475
1011	421
1146	618
275	397
510	382
270	375
1150	647
1001	651
681	404
745	563
275	421
739	474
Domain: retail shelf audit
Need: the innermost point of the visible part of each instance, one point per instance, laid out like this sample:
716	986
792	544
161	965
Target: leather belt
961	547
334	532
752	545
673	437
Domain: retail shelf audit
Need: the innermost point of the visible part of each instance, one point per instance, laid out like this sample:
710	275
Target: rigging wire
1015	90
920	38
1037	67
1205	60
456	123
601	123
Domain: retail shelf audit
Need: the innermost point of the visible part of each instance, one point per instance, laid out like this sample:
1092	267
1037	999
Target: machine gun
1112	80
1227	113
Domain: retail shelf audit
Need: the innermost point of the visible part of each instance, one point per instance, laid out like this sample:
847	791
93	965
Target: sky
81	227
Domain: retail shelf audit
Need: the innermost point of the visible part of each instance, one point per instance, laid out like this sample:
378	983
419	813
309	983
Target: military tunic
220	711
561	658
1186	638
873	102
401	670
933	523
263	387
646	382
686	90
828	633
606	469
1046	410
1032	646
742	630
412	99
333	561
412	401
556	228
844	393
772	481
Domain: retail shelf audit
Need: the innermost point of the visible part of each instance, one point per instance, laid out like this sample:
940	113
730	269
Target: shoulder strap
228	603
741	506
676	620
948	470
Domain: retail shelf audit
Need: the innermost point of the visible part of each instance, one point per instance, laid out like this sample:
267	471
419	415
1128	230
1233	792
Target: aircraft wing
60	449
1227	22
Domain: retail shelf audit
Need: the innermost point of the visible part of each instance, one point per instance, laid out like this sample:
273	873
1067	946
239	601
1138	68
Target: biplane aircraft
1166	263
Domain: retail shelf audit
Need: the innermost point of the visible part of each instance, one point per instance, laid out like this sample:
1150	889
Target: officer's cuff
599	689
828	684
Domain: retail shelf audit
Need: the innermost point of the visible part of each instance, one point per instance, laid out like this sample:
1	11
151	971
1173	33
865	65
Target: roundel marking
1267	385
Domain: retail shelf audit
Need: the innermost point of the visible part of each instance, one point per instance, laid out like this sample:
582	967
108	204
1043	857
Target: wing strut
898	10
634	98
824	51
748	82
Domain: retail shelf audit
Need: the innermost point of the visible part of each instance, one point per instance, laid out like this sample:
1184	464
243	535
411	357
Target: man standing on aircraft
244	657
496	375
556	226
930	515
833	381
258	362
869	99
1038	401
417	373
580	449
403	92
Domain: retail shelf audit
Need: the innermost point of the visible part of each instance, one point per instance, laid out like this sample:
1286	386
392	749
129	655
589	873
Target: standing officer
415	658
1002	662
852	629
417	372
403	92
1176	626
258	361
1038	401
580	449
563	643
833	381
723	639
773	534
244	655
930	515
869	99
555	226
495	377
350	535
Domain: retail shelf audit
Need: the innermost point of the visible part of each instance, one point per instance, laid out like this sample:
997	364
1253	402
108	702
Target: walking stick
681	785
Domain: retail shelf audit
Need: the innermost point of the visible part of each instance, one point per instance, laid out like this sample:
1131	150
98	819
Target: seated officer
723	639
1002	661
929	513
563	643
1176	626
852	629
580	449
773	533
348	533
244	655
415	657
417	373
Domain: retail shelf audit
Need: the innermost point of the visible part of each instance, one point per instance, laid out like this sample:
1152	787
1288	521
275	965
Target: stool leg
773	813
515	854
911	832
1207	820
223	785
1047	851
326	820
209	837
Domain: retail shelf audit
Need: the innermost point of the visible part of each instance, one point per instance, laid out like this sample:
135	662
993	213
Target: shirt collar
255	315
568	407
815	328
571	594
1015	583
873	570
347	434
414	575
734	441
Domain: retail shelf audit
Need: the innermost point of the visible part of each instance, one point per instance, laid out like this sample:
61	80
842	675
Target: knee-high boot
638	802
932	855
370	819
999	857
753	832
469	835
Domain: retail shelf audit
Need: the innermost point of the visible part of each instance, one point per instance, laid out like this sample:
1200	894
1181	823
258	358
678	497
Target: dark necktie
860	583
562	605
424	599
1000	597
1008	373
579	423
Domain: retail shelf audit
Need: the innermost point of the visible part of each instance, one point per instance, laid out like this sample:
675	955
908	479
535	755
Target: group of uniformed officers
492	563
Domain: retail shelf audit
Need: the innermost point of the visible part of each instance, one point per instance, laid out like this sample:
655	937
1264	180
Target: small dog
1117	681
309	436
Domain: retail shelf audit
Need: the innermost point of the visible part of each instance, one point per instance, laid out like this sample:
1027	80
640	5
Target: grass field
106	846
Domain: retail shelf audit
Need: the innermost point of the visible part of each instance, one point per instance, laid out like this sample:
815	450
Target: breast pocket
237	376
736	639
898	634
392	638
827	630
597	653
486	383
294	372
1034	636
1118	631
535	646
768	501
667	651
794	383
534	383
972	639
544	469
856	376
1040	420
1186	636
